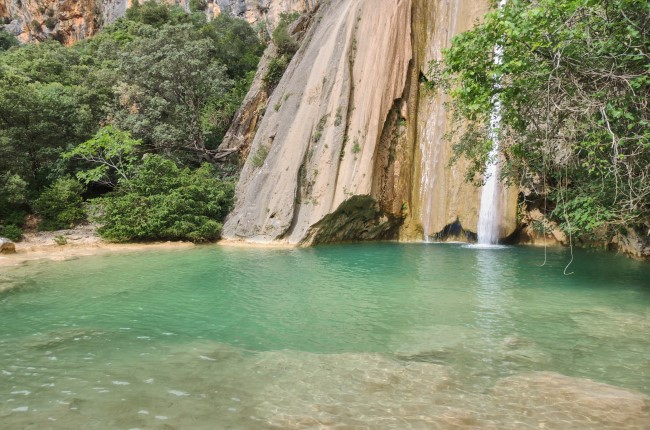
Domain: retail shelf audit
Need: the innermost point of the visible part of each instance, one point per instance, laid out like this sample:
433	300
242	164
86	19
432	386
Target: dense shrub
282	39
7	40
164	202
11	232
61	205
276	69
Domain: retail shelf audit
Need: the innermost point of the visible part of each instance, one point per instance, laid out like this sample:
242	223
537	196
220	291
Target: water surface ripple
376	336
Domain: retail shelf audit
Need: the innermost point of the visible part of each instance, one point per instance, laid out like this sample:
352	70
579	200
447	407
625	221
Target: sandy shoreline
83	241
26	252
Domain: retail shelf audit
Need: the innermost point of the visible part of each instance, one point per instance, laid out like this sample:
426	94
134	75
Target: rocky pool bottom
360	336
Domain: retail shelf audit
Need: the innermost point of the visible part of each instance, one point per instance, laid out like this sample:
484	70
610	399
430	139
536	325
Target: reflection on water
372	336
492	298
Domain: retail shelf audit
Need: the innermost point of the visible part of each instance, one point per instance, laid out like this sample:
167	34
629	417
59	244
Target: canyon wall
72	20
312	163
351	145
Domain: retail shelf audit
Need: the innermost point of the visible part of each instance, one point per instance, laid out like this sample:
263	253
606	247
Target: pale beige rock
7	246
318	148
633	242
381	135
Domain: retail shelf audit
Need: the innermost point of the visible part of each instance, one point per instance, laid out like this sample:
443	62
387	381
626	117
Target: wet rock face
71	20
358	218
633	242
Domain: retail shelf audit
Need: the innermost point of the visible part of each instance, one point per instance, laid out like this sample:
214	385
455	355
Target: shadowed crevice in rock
358	218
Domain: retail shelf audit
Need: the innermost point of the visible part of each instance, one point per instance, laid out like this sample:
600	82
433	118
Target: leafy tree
46	62
159	81
169	80
114	153
7	40
282	39
60	205
13	199
164	202
150	12
286	45
574	88
36	123
235	43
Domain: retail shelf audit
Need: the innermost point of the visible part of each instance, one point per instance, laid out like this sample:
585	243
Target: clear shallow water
373	336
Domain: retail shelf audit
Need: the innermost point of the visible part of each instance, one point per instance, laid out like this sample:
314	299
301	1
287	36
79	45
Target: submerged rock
7	246
551	398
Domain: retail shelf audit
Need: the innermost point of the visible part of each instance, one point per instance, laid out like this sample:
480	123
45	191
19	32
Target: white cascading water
490	213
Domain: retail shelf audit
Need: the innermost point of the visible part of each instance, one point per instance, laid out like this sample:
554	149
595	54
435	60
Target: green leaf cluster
164	202
159	81
61	205
286	46
574	86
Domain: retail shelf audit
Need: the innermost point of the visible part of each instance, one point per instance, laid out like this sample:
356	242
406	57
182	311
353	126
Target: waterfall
490	213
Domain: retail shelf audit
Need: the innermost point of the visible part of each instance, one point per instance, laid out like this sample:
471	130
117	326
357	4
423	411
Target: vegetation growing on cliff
162	82
574	86
286	46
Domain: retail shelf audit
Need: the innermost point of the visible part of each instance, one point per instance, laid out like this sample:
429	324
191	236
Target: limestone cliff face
317	144
72	20
66	21
351	146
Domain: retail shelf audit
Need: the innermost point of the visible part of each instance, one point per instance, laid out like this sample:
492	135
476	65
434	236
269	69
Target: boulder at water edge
7	246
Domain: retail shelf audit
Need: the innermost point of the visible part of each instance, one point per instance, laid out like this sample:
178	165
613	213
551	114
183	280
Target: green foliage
60	240
150	12
35	26
198	5
286	45
158	81
50	23
164	202
112	151
235	44
7	40
36	122
573	86
338	119
318	132
13	191
11	232
282	39
276	69
61	205
169	81
260	155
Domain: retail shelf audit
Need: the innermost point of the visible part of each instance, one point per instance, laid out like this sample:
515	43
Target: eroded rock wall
66	21
352	124
318	143
72	20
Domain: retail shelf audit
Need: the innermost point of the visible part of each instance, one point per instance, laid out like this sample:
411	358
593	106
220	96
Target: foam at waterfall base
485	246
